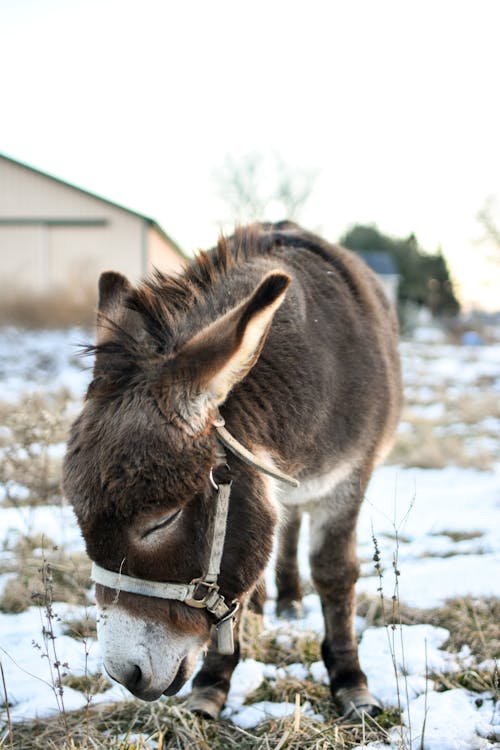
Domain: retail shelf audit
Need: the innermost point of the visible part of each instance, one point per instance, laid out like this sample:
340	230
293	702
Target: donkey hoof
356	704
206	702
290	609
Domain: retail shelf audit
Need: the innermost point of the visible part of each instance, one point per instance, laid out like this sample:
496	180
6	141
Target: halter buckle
199	585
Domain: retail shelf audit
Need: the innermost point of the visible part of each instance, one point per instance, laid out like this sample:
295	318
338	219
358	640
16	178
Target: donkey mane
166	311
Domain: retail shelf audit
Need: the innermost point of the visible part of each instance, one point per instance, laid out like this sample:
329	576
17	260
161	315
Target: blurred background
132	133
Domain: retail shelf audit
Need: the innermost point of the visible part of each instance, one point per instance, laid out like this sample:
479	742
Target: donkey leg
211	684
289	601
335	569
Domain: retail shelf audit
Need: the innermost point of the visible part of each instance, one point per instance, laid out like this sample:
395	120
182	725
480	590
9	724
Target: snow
428	411
448	721
56	523
408	652
27	660
439	528
421	505
37	362
250	716
457	366
247	677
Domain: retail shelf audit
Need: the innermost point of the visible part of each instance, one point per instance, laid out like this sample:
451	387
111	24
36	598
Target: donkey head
137	471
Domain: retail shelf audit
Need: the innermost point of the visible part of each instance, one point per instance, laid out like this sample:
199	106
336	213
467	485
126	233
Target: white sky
394	103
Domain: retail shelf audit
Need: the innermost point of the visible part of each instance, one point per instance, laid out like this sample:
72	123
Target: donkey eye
161	525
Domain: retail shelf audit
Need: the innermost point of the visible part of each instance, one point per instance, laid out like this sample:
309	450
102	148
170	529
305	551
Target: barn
383	265
56	238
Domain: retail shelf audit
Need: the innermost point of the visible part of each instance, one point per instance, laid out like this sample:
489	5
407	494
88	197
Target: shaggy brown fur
316	390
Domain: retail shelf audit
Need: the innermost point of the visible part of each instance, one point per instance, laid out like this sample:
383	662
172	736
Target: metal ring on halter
212	480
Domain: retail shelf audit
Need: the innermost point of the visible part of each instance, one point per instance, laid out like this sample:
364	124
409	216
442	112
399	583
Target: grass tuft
167	724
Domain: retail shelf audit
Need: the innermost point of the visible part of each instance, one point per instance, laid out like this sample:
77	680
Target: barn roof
49	176
379	261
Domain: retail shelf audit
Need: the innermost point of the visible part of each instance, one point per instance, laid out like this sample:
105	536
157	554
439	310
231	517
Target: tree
257	187
488	218
424	277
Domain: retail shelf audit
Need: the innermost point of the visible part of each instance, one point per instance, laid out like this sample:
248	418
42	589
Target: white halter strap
202	593
230	442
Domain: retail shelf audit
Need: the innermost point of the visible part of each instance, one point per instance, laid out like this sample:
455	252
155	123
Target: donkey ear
113	289
224	352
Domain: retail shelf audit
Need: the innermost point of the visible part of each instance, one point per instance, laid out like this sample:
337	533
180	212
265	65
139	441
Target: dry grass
70	576
474	623
302	648
471	622
459	436
33	426
427	450
168	724
57	310
29	432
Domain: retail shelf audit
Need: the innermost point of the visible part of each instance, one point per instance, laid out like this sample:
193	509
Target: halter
201	593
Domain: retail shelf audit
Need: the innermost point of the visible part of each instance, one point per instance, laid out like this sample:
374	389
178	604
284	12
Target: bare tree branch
256	187
491	225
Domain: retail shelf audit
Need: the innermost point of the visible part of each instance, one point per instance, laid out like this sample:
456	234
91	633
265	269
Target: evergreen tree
424	277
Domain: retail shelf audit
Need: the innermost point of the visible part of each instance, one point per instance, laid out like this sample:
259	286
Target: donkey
271	360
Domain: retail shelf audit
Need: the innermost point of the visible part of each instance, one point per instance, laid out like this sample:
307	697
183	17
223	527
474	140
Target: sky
393	106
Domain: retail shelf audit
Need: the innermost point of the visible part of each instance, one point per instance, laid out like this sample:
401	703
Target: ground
429	592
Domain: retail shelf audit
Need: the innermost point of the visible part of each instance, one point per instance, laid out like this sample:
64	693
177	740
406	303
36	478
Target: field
429	594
